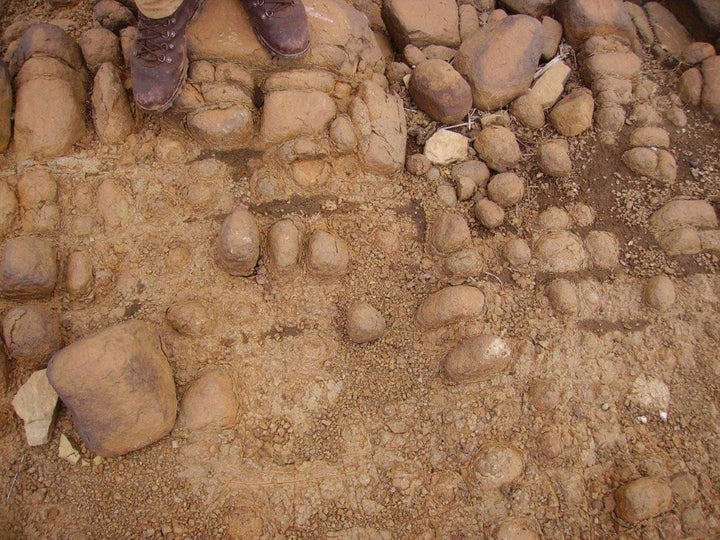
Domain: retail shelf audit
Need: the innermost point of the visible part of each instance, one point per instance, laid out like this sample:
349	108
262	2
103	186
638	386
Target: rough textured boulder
5	106
642	499
210	401
440	91
28	268
31	334
437	23
118	386
293	113
669	32
534	8
582	19
51	84
500	60
112	115
711	86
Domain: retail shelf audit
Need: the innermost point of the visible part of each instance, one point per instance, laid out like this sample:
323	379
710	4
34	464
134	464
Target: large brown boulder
710	12
440	91
5	106
534	8
435	23
669	32
118	386
500	60
582	19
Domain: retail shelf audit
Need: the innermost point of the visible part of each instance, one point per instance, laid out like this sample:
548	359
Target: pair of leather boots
159	63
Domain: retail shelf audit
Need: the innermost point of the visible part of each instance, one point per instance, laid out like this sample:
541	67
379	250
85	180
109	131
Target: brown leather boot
280	25
159	63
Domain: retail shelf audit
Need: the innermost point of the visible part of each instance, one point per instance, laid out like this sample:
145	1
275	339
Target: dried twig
12	484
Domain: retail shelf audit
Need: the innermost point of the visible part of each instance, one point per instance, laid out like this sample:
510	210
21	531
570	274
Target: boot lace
154	39
274	6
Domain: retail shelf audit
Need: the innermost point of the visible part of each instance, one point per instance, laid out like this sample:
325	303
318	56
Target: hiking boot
159	62
280	25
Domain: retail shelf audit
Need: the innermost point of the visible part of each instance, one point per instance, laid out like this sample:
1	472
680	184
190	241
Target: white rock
36	402
67	451
446	147
650	393
551	84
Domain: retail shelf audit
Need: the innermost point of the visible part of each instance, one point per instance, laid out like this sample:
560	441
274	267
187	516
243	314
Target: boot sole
277	53
183	79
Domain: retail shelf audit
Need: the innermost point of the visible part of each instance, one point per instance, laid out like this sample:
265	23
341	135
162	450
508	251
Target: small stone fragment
418	164
79	276
283	245
36	403
498	148
495	465
28	268
477	359
489	214
554	158
659	293
118	386
548	88
189	318
450	305
327	255
238	247
445	147
449	233
563	297
210	401
67	451
603	249
31	334
506	189
642	499
364	323
573	114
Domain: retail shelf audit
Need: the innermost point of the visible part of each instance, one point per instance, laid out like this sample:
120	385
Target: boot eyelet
172	34
171	46
269	14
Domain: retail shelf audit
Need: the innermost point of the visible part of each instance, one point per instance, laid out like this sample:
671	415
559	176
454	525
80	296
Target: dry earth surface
336	439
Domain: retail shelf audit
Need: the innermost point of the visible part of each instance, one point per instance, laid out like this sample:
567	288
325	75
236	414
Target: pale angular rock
189	318
112	115
559	252
642	499
449	233
238	247
684	213
529	112
552	34
650	137
548	88
500	60
31	334
506	189
573	114
284	245
711	86
28	268
440	91
288	114
230	127
118	386
36	402
437	23
554	158
490	214
210	401
379	119
99	46
67	451
450	305
477	358
498	147
327	255
582	19
445	147
495	465
672	35
364	323
6	105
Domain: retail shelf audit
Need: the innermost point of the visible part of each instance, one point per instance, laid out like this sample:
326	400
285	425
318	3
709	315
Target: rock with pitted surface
670	34
28	268
642	499
582	19
51	86
6	104
31	334
440	91
238	247
437	23
573	114
498	147
118	386
500	60
211	401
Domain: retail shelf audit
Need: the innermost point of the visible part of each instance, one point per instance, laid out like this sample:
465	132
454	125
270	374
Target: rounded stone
440	91
574	113
450	305
554	158
238	247
471	171
31	334
498	148
189	318
506	189
495	465
582	214
659	293
642	499
327	255
364	323
284	245
553	219
563	296
449	232
418	164
603	249
517	252
28	268
560	252
210	401
529	111
477	358
489	214
463	264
